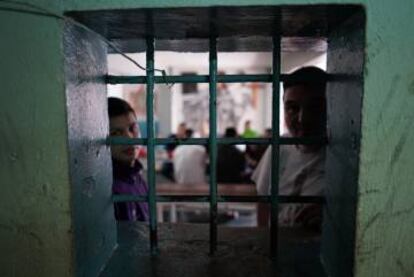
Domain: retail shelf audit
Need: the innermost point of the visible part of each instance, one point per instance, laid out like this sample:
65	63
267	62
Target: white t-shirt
300	174
190	164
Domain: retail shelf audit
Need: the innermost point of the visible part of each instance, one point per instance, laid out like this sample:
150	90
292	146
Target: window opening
285	27
213	79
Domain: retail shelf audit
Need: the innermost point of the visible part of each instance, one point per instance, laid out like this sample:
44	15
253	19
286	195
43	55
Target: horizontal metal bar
262	78
204	141
267	199
125	141
189	141
183	79
221	198
159	141
265	78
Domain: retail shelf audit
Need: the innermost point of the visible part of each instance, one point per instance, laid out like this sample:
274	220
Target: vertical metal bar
275	148
213	143
151	146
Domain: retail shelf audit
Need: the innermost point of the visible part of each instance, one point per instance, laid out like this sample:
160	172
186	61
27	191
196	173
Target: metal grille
274	199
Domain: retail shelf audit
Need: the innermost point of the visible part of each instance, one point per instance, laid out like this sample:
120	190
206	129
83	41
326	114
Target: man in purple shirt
127	177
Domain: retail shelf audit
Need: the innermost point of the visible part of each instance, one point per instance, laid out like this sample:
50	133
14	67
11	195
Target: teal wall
35	213
385	216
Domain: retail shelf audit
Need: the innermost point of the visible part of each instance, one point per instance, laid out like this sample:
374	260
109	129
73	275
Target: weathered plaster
242	252
385	222
90	159
108	4
35	212
344	97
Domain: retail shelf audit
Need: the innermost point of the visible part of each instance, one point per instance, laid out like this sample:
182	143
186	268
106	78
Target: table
203	189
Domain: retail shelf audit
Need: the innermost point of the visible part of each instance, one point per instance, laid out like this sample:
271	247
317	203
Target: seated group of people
190	162
301	167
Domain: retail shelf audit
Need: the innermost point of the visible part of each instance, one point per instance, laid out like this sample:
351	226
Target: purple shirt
128	180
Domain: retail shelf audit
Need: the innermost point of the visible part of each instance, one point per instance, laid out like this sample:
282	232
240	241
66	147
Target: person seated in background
230	161
301	167
248	131
167	169
127	178
254	153
190	163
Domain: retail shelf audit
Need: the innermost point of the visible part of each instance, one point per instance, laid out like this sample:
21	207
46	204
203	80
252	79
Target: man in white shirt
301	167
190	163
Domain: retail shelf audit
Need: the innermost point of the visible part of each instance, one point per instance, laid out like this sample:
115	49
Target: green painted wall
35	220
385	216
35	212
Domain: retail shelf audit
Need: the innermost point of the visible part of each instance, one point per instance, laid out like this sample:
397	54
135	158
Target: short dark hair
310	76
117	107
230	132
189	132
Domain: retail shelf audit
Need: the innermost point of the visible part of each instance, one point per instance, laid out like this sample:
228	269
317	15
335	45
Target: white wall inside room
169	101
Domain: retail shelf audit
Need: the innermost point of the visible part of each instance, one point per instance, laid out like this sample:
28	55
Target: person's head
122	123
267	133
247	125
230	132
182	127
305	102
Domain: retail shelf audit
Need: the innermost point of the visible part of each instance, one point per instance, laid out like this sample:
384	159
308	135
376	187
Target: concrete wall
35	230
35	212
344	97
90	159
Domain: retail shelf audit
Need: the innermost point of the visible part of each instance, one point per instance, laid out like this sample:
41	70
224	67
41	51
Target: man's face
305	111
124	126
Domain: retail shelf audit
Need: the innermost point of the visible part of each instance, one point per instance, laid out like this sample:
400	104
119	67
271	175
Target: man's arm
261	177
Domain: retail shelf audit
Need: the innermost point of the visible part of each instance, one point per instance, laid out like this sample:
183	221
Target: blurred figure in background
190	163
230	161
248	131
255	152
167	168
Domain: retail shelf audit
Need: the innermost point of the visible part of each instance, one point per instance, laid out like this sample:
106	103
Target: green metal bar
247	78
151	147
274	204
220	198
205	141
126	141
189	141
267	199
262	78
184	79
213	143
